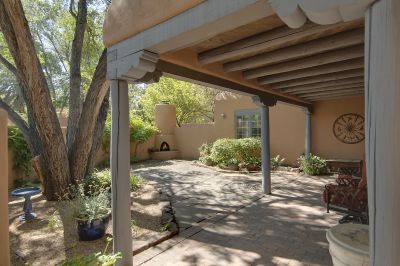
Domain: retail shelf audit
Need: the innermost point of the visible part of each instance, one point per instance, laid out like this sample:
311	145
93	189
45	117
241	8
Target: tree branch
72	8
75	79
8	65
16	119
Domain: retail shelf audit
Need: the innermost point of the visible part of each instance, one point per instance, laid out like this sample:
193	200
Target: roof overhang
246	42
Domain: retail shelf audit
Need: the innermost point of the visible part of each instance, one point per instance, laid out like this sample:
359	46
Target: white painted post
308	133
4	241
120	170
382	97
265	150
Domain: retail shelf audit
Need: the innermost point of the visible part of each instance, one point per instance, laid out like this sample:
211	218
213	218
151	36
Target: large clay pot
349	245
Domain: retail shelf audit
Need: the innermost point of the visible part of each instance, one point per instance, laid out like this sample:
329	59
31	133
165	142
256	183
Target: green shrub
236	151
225	152
140	131
136	182
19	146
101	180
249	151
312	164
276	162
86	205
205	154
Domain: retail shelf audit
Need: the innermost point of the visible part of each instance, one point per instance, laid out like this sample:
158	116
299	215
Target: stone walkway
225	220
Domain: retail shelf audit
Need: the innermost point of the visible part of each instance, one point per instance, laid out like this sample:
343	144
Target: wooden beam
221	83
322	85
334	93
329	98
311	61
321	78
314	71
330	88
274	39
341	40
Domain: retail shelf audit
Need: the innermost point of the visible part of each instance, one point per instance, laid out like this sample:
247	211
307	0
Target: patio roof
246	46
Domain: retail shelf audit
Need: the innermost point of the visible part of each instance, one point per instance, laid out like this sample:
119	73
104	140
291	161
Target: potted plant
231	164
91	212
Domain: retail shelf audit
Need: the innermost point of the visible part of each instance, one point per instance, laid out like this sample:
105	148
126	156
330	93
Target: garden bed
52	237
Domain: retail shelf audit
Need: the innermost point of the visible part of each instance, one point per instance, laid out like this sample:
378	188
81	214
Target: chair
349	195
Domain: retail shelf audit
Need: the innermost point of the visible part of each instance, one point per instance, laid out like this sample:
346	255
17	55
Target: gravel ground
39	243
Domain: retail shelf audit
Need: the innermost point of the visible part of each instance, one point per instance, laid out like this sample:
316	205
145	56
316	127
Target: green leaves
312	164
21	152
194	103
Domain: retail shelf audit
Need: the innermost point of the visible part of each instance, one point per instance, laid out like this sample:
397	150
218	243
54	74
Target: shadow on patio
225	220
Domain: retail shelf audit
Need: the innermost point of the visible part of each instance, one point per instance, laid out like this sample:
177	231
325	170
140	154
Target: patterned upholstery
349	194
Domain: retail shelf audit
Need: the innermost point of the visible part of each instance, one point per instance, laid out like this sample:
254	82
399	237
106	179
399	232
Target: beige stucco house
279	52
238	116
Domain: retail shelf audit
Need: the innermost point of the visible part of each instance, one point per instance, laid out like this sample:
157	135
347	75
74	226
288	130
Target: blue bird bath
26	193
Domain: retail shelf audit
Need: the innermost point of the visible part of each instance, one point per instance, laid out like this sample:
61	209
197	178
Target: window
248	124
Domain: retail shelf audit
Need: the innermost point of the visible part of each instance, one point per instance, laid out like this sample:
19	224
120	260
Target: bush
225	152
86	205
19	146
244	151
101	180
205	154
312	164
249	151
276	162
136	182
140	131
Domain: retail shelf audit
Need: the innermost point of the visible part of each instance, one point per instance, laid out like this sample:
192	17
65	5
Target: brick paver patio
225	220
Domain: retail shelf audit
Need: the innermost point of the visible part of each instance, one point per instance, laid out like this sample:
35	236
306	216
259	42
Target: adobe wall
324	143
287	126
190	137
4	238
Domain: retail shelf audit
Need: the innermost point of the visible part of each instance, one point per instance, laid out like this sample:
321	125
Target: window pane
248	124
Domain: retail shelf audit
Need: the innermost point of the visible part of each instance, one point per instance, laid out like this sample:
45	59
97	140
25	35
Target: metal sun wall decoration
349	128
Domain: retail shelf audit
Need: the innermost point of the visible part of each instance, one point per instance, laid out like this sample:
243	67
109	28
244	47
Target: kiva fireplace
165	145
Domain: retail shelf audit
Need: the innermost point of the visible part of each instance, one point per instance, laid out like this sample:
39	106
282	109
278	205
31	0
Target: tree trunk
75	79
98	133
15	29
82	145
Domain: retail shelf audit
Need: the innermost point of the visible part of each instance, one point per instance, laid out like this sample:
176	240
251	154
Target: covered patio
225	219
297	52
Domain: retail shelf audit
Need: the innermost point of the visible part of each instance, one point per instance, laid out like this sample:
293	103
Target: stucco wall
287	126
324	143
190	137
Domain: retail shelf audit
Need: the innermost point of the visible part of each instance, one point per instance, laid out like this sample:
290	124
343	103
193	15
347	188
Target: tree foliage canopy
194	103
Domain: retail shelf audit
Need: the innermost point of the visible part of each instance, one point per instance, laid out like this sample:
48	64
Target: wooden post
120	170
265	150
382	97
308	133
4	241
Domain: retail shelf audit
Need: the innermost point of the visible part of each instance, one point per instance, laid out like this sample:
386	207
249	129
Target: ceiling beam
334	93
328	90
185	73
337	41
329	98
321	78
314	71
311	61
322	85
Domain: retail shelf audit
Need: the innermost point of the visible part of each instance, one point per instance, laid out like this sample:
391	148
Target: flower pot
94	229
252	167
231	167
